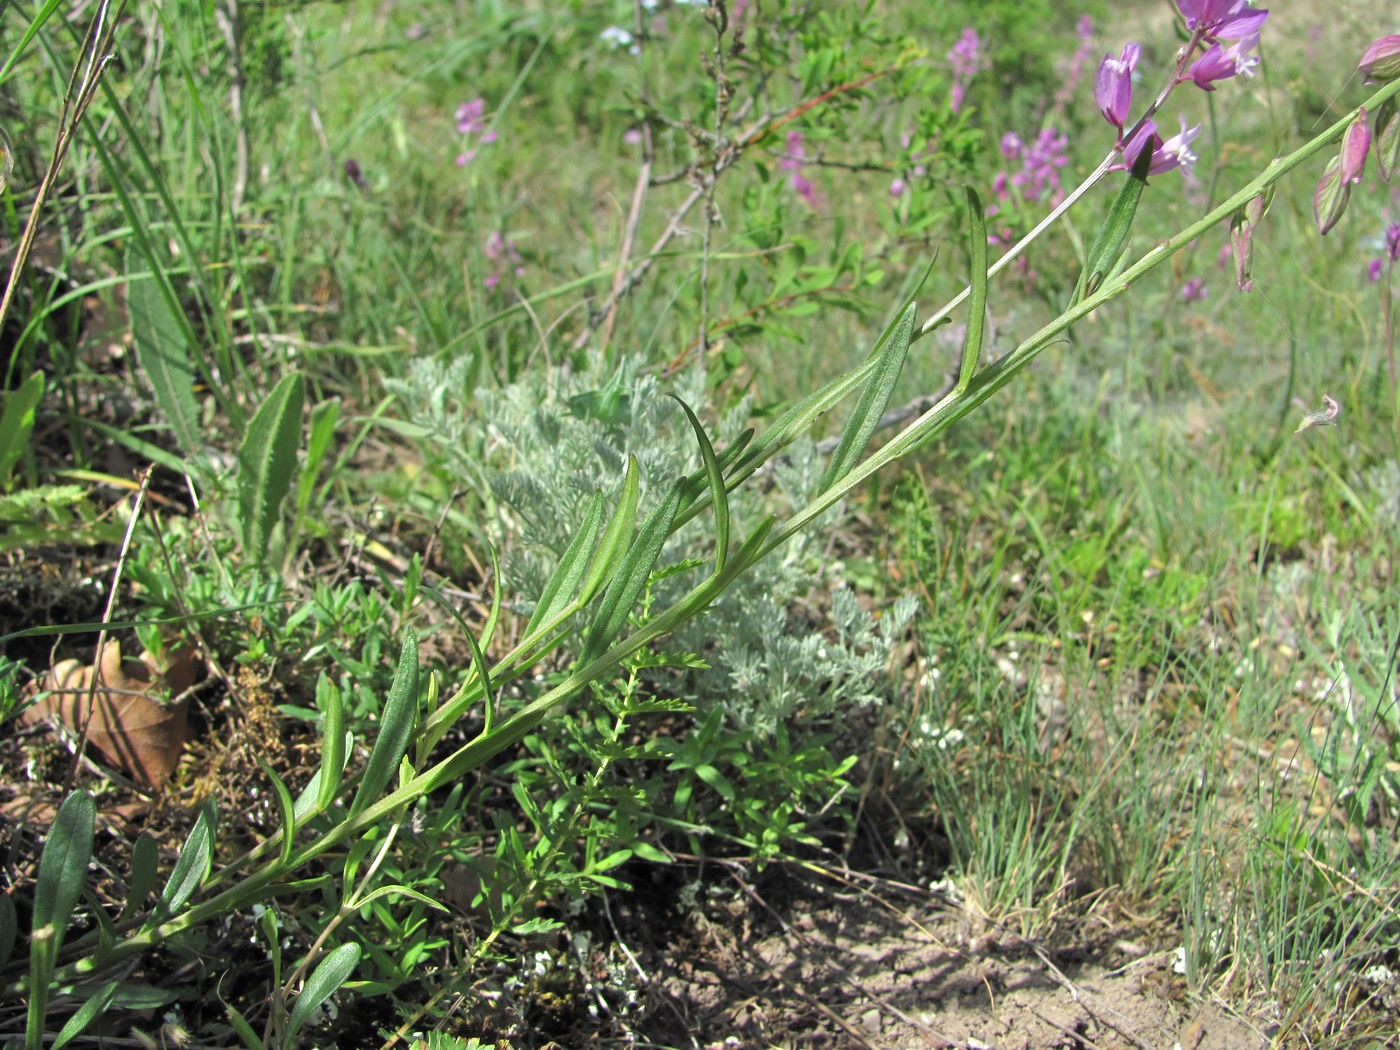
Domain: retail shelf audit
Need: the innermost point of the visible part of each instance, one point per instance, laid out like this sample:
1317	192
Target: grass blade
330	974
266	461
395	728
17	422
874	398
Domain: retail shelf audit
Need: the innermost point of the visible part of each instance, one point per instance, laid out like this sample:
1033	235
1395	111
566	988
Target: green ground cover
380	374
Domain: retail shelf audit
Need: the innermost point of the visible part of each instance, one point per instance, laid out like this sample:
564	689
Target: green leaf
397	720
93	1007
559	591
62	872
17	422
266	461
145	860
334	747
977	300
718	495
632	574
1112	238
285	807
164	349
244	1030
324	418
329	975
192	866
615	536
30	32
398	891
874	398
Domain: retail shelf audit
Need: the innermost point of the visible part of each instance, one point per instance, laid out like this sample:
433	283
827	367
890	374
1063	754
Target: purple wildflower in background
1084	29
1392	242
965	62
1194	290
504	257
1229	19
471	122
793	162
1374	270
1040	163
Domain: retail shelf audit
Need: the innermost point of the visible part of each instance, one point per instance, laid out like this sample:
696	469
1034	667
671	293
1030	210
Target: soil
856	967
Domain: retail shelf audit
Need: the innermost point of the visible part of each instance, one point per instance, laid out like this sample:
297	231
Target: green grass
1153	663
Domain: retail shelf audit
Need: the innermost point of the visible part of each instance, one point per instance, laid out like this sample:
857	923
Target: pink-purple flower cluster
1039	162
794	160
504	257
965	62
471	122
1229	32
1391	256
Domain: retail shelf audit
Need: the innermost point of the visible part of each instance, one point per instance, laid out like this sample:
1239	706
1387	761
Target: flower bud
1330	198
1381	62
1356	143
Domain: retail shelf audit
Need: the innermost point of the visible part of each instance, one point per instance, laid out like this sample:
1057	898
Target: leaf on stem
874	398
192	866
145	862
397	720
559	591
616	536
1112	237
165	350
718	495
977	300
17	422
632	574
62	872
329	975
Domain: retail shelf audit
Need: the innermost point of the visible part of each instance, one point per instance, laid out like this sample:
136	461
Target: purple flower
897	188
793	161
471	122
1373	270
1219	63
1392	241
1113	86
1166	155
504	257
1355	143
1194	290
965	62
1231	19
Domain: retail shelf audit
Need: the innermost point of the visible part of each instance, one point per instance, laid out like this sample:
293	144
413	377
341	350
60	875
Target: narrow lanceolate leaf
977	300
243	1029
632	575
145	861
167	357
17	422
559	591
192	866
329	975
285	808
396	724
266	461
718	496
874	399
1112	237
93	1007
616	536
62	872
